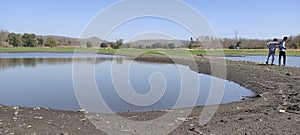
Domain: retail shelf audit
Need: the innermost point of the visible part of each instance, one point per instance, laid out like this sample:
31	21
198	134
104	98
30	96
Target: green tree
238	45
89	44
295	45
29	40
51	42
40	41
69	43
231	47
171	46
104	45
117	44
14	39
190	46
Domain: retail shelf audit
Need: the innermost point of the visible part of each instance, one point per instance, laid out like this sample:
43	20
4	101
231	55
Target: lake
45	80
292	61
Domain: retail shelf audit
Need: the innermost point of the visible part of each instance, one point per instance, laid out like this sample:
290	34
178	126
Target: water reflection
45	80
33	62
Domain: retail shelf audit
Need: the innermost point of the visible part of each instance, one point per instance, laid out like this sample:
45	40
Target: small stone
15	107
84	119
126	130
29	126
248	110
192	125
241	118
288	74
14	118
181	119
36	108
82	110
282	111
16	113
195	130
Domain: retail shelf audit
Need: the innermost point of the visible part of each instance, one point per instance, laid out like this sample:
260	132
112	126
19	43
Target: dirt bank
275	110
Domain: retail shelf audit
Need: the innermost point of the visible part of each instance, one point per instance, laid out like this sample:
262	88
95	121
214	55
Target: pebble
288	74
14	118
126	130
195	130
36	108
282	111
38	117
171	124
82	110
15	107
29	126
82	120
181	119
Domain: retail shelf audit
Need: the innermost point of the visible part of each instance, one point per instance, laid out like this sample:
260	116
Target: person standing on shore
282	51
272	49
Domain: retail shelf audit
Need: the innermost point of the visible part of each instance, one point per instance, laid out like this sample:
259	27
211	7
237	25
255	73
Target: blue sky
251	18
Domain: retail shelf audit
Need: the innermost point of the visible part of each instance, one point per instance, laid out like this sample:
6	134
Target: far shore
108	51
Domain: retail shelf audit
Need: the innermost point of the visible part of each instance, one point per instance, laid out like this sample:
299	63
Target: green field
149	51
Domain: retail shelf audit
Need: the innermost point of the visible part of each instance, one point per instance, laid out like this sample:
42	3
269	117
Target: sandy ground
275	109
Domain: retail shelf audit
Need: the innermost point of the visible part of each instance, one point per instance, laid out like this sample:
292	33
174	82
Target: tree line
10	39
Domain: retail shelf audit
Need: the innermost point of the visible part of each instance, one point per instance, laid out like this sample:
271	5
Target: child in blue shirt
282	51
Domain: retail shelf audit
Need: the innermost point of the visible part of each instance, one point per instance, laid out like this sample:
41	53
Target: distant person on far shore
272	49
282	51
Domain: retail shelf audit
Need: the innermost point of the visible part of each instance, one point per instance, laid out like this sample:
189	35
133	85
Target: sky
263	19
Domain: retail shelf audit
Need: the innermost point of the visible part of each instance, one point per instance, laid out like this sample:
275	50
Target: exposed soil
274	110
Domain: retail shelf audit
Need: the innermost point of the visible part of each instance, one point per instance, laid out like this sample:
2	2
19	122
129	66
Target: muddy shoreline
275	111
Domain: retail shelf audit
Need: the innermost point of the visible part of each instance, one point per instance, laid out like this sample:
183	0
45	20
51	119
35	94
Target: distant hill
157	42
68	41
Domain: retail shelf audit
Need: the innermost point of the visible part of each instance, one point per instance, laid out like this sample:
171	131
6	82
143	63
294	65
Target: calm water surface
45	80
